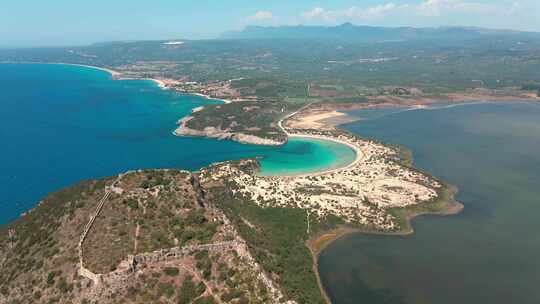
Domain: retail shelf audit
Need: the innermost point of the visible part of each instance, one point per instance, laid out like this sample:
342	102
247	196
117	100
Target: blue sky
71	22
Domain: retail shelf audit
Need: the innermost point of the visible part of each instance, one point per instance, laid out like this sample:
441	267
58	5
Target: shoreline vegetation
162	83
443	205
318	243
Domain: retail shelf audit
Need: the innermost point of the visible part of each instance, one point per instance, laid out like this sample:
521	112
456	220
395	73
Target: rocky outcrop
255	140
212	132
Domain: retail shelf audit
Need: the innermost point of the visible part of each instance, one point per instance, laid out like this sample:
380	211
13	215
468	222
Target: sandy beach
317	120
113	73
162	83
226	101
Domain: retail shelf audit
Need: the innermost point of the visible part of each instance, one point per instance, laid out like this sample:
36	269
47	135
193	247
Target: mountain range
357	33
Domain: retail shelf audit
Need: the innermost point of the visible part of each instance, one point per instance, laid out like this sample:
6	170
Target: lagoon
488	253
297	157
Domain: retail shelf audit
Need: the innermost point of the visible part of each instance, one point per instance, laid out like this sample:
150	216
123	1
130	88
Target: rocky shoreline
212	132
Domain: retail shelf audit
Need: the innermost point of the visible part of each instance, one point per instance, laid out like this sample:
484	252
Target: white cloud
371	12
260	16
351	13
314	13
319	13
442	10
438	7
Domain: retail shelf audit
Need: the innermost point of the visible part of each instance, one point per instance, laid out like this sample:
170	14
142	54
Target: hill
354	33
142	237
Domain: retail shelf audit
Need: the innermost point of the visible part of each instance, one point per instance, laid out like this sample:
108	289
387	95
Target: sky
73	22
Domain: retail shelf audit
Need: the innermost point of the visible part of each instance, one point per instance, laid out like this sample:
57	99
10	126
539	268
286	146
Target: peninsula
221	235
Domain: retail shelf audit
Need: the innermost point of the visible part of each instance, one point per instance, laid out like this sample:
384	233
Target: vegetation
39	251
278	244
166	289
171	271
440	205
280	69
34	258
532	87
252	118
189	291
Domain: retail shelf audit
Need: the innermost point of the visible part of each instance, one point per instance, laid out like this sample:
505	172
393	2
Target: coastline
444	205
161	83
442	202
225	101
321	240
113	73
210	132
118	75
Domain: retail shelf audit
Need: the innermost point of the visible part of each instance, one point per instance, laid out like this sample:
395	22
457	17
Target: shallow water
301	158
487	254
62	124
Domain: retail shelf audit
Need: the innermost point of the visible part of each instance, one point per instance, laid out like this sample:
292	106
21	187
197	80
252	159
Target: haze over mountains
356	33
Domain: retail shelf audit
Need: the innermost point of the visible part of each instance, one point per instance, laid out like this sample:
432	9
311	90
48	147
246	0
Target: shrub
189	291
205	300
166	289
171	271
64	286
50	278
37	295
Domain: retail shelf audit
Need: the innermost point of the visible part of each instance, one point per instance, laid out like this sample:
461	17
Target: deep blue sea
62	124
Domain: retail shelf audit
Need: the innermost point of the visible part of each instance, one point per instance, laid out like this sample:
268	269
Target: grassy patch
440	204
278	244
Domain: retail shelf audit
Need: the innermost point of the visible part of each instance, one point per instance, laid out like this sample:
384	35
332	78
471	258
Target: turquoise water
487	254
301	158
62	124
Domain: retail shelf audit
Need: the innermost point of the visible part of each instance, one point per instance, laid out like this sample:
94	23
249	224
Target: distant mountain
351	32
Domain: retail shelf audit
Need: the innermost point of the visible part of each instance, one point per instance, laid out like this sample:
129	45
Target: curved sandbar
162	83
113	73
